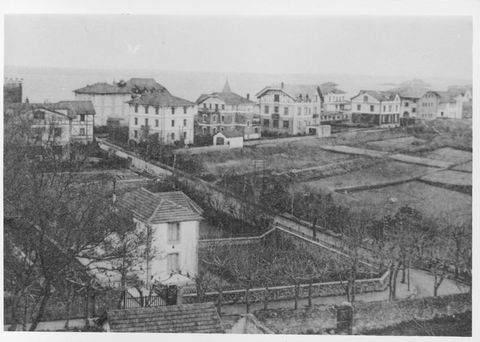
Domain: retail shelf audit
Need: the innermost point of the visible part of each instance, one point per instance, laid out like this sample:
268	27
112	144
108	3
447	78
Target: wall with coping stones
367	316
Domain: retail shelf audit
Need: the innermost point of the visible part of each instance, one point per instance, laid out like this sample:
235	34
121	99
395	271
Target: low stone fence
366	316
257	295
204	243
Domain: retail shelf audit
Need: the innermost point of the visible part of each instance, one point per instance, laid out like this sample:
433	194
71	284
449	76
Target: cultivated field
466	167
383	171
450	177
448	154
430	200
395	144
278	157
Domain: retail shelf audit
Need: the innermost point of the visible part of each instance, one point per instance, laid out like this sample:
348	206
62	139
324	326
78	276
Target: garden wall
204	243
367	316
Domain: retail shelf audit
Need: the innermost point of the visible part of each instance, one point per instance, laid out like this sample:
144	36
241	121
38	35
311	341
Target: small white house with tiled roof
172	220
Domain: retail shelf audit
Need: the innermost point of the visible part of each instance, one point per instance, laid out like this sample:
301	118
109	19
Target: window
222	129
266	122
276	98
136	121
39	115
266	109
299	112
146	109
275	109
390	108
82	131
174	232
57	132
156	123
359	107
223	118
146	122
184	135
156	110
135	134
184	109
285	111
173	123
204	105
172	262
286	124
173	110
184	122
214	118
275	123
414	110
384	108
82	117
248	122
372	108
172	136
216	107
136	108
223	107
406	104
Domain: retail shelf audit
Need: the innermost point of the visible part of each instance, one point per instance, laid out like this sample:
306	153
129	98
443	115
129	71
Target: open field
384	171
279	158
466	167
450	177
429	200
448	154
395	144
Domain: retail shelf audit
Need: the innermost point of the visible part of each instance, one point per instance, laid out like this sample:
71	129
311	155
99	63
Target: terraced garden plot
450	177
448	154
430	200
279	158
383	171
396	144
466	167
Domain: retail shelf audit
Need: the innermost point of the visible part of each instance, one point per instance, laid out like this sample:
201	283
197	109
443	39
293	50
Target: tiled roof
186	318
410	92
76	107
294	90
379	95
161	207
228	97
231	134
160	98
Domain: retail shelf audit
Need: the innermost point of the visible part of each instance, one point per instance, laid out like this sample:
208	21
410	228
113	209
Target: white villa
376	108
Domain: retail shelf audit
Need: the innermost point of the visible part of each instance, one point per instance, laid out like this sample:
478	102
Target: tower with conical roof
226	87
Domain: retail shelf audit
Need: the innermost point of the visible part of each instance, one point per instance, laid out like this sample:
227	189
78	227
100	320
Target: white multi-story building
110	100
171	219
335	107
289	109
376	108
159	112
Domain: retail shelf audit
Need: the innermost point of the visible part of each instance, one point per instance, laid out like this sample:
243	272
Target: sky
409	46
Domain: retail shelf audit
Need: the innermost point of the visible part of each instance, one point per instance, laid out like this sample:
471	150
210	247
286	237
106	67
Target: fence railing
144	302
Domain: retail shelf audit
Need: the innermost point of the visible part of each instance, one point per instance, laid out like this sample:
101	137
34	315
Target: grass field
450	177
381	172
395	144
466	167
448	154
279	157
429	200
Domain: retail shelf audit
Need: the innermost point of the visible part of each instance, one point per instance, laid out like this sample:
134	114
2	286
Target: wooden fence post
310	293
296	295
247	303
219	301
265	299
87	308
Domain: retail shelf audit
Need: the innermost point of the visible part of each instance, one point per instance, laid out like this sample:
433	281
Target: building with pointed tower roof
227	111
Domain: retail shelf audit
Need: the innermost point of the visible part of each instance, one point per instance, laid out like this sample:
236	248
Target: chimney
281	85
248	96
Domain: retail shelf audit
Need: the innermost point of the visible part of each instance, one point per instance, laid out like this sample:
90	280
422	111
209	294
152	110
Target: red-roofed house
172	220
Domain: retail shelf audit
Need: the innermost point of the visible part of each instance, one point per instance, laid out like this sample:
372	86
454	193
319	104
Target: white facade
171	123
107	106
170	256
232	142
367	108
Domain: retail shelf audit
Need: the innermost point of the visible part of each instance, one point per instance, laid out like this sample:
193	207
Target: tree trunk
265	299
43	304
310	293
403	270
68	306
247	303
394	280
296	296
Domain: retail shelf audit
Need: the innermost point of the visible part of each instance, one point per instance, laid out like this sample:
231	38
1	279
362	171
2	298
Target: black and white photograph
205	171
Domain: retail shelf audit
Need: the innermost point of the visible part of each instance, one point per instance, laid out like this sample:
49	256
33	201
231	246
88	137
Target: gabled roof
133	85
447	97
161	98
379	95
185	318
295	91
75	107
227	96
231	134
410	92
161	207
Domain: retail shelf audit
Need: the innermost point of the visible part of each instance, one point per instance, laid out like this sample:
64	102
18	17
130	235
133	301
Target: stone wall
367	316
